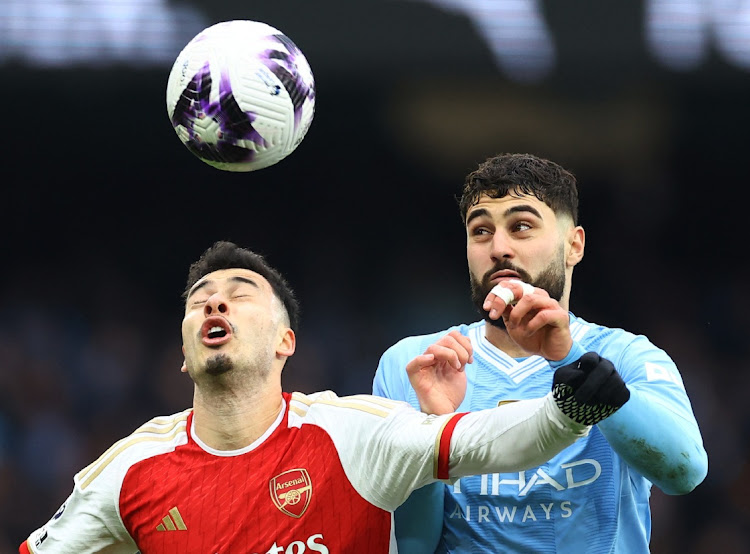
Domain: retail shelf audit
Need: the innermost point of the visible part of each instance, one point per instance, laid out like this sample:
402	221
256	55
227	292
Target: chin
219	364
499	323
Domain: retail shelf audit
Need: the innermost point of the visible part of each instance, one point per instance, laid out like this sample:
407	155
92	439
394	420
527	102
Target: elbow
684	476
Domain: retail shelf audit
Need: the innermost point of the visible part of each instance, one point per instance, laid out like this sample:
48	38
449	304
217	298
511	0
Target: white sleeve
513	437
88	521
388	449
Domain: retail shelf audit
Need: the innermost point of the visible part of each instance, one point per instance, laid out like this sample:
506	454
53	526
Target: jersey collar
517	369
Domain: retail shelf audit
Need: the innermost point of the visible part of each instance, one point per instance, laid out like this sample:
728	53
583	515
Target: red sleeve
444	447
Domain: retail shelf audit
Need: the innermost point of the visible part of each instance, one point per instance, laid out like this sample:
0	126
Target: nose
501	247
215	305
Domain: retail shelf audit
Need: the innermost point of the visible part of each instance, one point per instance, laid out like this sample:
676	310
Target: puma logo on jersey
172	521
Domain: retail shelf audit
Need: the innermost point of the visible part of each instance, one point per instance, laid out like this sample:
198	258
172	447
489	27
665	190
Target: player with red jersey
250	469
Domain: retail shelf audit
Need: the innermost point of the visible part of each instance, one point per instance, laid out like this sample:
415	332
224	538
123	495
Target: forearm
661	445
516	437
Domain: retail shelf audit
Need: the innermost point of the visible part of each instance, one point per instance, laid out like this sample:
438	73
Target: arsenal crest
291	491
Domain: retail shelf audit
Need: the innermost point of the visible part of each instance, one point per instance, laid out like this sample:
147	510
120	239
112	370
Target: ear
576	241
287	343
183	369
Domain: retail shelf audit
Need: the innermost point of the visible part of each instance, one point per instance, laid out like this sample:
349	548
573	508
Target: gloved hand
589	390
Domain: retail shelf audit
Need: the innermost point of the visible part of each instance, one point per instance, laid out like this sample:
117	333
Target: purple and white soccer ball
241	95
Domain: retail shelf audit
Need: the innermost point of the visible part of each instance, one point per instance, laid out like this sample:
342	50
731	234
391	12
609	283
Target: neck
234	417
499	338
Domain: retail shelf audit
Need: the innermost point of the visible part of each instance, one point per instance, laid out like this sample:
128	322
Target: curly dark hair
227	255
505	174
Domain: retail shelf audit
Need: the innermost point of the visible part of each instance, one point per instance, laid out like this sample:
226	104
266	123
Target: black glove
589	390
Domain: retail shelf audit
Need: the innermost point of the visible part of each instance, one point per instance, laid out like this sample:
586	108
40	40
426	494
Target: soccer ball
241	95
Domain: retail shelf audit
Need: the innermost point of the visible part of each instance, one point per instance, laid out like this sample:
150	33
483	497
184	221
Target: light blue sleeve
419	521
655	432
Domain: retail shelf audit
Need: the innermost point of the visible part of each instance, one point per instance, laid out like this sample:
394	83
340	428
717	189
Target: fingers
594	381
462	343
569	375
523	306
588	362
534	313
602	383
577	374
454	350
419	363
615	390
505	294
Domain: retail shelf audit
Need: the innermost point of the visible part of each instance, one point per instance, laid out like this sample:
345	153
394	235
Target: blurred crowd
361	220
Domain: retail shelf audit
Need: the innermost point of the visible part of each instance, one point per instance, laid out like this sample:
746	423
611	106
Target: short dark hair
505	174
227	255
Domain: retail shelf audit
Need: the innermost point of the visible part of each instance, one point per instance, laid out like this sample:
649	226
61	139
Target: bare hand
438	375
536	322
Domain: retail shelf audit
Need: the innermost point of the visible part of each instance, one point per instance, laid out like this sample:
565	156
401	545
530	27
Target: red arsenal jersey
325	477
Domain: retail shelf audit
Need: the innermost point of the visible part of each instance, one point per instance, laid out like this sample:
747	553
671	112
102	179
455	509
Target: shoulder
634	355
157	436
594	336
391	379
415	344
324	404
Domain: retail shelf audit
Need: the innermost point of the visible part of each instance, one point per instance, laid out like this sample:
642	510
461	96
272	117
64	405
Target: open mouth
216	331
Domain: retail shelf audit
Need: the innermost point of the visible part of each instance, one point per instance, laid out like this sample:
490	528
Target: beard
222	371
551	279
219	365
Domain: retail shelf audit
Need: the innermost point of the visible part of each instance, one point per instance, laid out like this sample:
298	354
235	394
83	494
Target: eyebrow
523	208
235	279
482	212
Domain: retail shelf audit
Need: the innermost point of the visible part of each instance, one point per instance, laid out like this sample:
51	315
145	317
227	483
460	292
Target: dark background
102	210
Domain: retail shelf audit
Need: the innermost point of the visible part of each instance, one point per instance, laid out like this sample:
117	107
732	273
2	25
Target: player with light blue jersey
520	213
586	499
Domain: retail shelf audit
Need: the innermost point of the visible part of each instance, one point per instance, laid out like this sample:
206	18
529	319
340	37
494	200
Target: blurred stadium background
103	208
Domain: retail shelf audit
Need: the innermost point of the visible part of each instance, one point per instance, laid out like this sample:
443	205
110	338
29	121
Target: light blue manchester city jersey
591	498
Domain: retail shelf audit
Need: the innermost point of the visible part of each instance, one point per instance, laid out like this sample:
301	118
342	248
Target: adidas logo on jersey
172	521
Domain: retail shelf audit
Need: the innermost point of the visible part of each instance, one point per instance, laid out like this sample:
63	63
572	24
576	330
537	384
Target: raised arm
584	393
656	433
389	449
